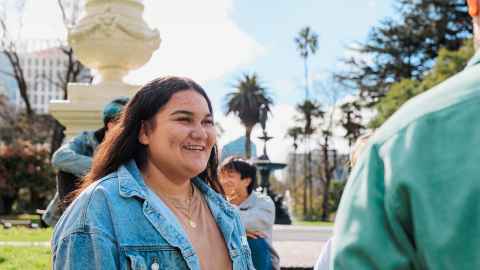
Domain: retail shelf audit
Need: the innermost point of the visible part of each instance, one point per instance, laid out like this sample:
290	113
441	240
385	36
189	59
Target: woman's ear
143	137
246	181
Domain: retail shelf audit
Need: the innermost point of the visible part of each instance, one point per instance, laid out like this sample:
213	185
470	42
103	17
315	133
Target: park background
329	71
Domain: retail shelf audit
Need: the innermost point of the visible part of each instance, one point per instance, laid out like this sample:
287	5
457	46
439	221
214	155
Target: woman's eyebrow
182	112
188	113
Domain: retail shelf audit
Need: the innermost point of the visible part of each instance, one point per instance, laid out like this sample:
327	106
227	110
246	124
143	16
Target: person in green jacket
413	198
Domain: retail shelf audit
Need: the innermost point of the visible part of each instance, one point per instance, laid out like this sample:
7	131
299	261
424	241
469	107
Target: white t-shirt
323	262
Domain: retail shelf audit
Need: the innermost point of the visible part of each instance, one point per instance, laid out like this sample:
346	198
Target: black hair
243	167
121	143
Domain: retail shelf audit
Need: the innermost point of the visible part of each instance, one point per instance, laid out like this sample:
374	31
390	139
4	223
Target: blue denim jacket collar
131	184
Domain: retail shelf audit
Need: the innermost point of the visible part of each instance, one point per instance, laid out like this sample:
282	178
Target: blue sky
215	41
274	24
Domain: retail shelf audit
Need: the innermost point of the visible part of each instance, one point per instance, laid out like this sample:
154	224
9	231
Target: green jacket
413	198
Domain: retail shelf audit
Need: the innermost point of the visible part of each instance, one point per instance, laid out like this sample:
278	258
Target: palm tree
294	133
310	110
246	103
307	43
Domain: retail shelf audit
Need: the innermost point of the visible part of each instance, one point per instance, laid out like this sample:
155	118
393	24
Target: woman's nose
199	132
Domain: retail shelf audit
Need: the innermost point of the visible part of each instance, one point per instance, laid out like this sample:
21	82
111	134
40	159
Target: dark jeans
261	257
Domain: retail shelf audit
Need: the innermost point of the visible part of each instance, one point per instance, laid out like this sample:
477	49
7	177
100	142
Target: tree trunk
310	183
305	66
326	195
293	182
248	143
7	203
57	137
328	171
305	187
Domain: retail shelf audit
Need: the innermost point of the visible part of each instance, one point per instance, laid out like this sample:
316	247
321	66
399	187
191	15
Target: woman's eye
208	122
186	120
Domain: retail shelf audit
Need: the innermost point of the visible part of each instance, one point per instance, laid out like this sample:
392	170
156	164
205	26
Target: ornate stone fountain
113	39
265	168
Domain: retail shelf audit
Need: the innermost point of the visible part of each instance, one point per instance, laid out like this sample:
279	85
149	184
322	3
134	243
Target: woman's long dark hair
121	143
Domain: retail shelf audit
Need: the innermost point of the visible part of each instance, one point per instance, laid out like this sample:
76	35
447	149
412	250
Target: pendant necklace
185	207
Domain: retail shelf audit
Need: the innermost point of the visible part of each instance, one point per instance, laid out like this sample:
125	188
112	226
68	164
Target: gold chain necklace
185	207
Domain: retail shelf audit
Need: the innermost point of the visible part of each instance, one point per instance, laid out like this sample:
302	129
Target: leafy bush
27	179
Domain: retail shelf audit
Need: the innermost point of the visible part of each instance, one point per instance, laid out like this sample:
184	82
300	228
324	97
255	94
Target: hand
256	234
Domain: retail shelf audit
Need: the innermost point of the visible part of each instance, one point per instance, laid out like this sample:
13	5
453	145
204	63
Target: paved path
23	244
299	246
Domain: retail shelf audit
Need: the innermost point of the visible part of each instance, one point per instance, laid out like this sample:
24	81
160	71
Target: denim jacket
75	156
112	225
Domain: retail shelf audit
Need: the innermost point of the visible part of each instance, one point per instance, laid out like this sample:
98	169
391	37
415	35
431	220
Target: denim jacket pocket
153	258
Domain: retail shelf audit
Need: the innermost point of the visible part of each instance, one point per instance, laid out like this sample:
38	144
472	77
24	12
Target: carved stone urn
113	39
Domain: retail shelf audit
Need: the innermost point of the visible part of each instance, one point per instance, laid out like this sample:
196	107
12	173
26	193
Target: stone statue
263	116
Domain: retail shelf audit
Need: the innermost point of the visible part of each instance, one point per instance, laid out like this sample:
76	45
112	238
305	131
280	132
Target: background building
44	71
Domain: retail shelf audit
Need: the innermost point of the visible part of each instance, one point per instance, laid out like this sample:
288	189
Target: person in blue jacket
74	159
152	199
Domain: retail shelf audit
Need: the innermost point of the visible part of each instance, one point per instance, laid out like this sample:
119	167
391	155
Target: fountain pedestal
265	167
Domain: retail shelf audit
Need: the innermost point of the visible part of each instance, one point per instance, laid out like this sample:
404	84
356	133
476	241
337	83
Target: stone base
83	110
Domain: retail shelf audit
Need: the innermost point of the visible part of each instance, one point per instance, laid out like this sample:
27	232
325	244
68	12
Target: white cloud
199	38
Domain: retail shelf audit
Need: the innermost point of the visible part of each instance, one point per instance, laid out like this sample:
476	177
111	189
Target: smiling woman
152	199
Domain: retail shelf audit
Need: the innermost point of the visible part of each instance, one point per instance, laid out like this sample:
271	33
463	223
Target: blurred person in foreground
412	200
257	210
73	160
152	199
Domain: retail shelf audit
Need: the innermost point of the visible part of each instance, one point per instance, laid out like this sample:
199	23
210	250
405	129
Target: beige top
201	229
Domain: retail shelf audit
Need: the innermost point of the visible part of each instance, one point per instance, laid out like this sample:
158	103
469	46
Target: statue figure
263	116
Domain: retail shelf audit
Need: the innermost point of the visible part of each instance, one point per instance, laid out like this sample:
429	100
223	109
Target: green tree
351	121
406	47
447	64
329	164
307	43
309	111
246	102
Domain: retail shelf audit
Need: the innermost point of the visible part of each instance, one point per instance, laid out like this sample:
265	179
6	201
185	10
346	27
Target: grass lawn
312	223
25	234
32	258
